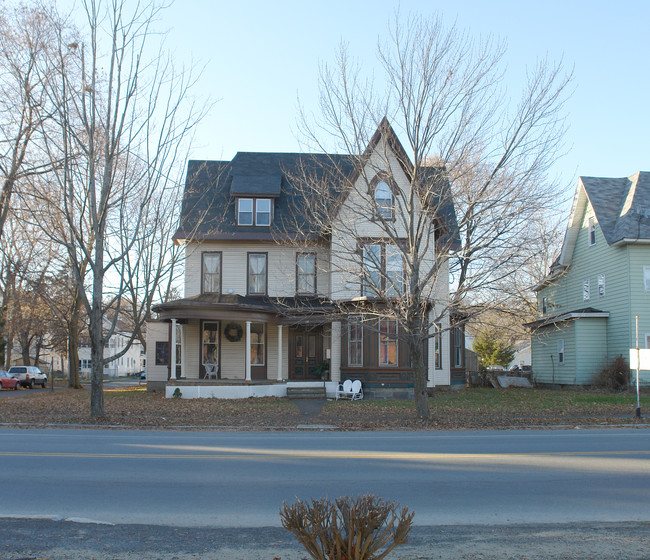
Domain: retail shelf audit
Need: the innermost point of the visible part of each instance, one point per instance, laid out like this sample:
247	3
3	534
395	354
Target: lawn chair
211	371
357	390
344	390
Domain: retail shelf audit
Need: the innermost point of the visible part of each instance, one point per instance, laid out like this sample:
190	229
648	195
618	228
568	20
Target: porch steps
316	392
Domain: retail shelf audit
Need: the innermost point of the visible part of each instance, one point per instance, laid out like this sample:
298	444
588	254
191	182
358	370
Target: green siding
546	366
591	353
625	296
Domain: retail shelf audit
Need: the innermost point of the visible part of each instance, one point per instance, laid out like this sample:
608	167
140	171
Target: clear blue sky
260	56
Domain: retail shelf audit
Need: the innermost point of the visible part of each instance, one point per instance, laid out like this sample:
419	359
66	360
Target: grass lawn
450	410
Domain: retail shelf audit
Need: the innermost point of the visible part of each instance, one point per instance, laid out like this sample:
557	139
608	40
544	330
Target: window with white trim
560	351
646	278
438	346
254	212
592	231
245	212
544	305
601	285
586	290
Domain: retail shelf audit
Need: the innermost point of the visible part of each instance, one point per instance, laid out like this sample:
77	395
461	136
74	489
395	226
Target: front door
305	354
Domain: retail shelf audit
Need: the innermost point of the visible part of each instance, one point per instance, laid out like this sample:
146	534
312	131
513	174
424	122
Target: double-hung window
592	231
254	212
601	285
586	290
438	345
257	344
382	270
306	273
257	273
387	342
355	341
211	273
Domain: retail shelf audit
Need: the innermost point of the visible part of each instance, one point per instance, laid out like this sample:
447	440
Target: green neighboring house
599	283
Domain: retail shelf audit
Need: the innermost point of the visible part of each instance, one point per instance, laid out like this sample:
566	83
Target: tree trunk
95	328
73	347
24	347
419	365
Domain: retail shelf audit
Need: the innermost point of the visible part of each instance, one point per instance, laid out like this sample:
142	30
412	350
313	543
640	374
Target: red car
9	382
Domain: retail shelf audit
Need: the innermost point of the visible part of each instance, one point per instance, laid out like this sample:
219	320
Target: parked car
29	376
143	375
8	381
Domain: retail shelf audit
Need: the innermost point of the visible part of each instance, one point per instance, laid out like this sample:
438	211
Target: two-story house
588	303
266	284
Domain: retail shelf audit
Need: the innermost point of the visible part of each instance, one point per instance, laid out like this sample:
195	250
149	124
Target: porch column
172	352
280	352
335	354
248	350
183	372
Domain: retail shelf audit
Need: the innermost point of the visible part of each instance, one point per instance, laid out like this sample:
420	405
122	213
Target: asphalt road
240	479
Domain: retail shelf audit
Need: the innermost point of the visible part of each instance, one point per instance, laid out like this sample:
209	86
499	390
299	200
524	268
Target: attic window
592	231
254	211
384	200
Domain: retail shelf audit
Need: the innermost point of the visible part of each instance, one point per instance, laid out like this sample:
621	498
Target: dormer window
245	212
263	212
254	212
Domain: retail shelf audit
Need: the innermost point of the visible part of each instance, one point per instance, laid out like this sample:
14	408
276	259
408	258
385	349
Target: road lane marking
580	461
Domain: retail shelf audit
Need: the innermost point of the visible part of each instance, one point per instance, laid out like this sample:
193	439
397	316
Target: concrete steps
315	392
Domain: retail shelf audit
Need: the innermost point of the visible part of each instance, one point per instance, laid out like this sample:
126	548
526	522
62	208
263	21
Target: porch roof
291	310
586	313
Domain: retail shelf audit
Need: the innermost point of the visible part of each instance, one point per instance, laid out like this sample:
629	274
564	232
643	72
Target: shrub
614	376
362	528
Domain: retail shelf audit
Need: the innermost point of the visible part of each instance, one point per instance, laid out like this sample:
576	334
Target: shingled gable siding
281	267
345	275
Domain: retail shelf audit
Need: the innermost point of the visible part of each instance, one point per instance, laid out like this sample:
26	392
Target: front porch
239	388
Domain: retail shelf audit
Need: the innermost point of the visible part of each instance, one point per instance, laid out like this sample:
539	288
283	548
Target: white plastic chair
357	390
344	390
211	371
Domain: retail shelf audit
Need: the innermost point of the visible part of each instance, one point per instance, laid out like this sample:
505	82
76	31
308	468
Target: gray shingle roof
208	210
211	189
622	205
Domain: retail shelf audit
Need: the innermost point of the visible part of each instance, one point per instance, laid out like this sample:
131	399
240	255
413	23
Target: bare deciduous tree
121	125
462	139
26	65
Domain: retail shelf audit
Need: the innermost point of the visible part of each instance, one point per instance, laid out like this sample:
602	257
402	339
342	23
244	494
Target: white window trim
255	213
646	278
239	211
586	290
561	356
592	231
603	284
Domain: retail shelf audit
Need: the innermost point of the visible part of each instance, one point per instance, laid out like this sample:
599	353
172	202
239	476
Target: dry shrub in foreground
615	376
362	528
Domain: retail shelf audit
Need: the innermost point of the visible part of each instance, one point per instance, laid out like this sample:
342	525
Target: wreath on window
233	332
